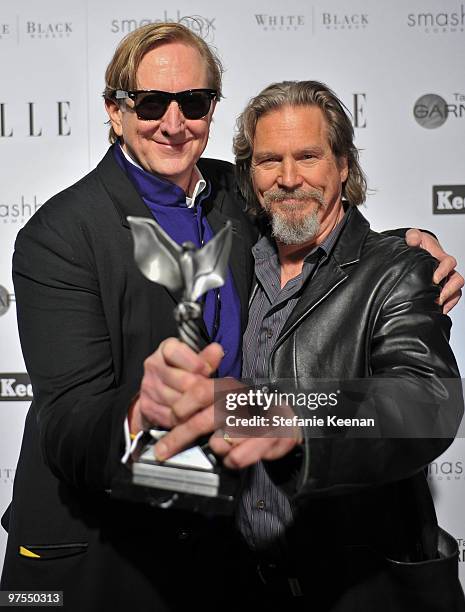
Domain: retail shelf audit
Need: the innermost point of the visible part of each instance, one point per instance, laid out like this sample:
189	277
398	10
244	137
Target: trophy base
179	480
192	480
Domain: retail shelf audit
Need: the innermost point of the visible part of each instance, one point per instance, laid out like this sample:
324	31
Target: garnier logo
448	199
15	387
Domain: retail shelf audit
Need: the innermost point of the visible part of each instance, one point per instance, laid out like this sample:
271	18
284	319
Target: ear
343	168
115	114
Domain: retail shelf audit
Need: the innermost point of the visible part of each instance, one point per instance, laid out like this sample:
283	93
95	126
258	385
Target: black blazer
87	320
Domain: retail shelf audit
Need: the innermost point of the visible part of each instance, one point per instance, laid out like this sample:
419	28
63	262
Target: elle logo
32	121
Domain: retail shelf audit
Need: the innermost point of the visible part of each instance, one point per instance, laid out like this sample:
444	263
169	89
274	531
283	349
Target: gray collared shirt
264	511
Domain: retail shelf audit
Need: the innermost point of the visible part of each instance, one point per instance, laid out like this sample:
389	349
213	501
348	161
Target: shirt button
269	333
261	504
183	534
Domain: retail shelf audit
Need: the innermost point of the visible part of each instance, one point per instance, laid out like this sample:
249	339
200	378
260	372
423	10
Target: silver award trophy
192	479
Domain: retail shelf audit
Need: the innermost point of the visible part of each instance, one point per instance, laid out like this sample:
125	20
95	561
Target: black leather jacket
369	322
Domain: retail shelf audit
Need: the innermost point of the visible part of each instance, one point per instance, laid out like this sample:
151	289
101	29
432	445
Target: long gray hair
298	93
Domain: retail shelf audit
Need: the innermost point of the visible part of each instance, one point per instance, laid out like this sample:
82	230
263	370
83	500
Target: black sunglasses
151	104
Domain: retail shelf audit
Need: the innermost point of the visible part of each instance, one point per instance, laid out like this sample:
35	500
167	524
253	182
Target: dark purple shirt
167	203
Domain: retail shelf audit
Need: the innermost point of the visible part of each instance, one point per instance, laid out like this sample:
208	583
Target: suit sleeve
78	404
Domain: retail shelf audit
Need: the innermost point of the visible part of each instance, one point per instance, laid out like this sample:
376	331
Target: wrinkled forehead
172	66
291	124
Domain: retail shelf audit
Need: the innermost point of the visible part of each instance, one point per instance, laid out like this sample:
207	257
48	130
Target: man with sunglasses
88	319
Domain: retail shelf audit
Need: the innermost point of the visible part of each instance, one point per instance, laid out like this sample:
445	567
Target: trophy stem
194	480
188	316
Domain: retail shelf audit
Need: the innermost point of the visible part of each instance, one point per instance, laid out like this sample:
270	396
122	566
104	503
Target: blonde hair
121	72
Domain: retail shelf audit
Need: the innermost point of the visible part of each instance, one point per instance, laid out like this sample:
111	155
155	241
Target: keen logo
15	388
448	199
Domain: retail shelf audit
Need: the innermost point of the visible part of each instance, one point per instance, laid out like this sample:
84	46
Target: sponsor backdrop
397	66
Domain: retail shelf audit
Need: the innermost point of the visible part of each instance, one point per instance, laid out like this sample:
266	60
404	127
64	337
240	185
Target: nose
289	176
172	122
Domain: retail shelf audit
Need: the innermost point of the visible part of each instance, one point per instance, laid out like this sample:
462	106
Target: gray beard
294	230
288	226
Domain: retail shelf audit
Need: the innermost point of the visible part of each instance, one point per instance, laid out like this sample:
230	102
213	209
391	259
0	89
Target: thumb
413	237
212	355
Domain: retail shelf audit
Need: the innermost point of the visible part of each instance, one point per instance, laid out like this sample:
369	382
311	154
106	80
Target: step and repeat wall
398	67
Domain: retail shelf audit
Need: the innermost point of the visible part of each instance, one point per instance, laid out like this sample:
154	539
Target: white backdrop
380	58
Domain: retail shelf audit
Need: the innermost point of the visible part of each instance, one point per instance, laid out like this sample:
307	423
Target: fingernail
160	451
207	369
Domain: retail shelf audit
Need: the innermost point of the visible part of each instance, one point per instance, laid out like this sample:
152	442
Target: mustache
281	195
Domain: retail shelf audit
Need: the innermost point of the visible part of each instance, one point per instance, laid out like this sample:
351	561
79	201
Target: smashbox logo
446	470
272	23
438	22
15	387
344	21
203	26
20	211
432	111
448	199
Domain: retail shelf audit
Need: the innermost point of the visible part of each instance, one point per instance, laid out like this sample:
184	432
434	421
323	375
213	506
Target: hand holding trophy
193	478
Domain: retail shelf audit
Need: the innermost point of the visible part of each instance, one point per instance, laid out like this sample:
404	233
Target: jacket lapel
128	202
239	260
331	273
328	278
122	192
